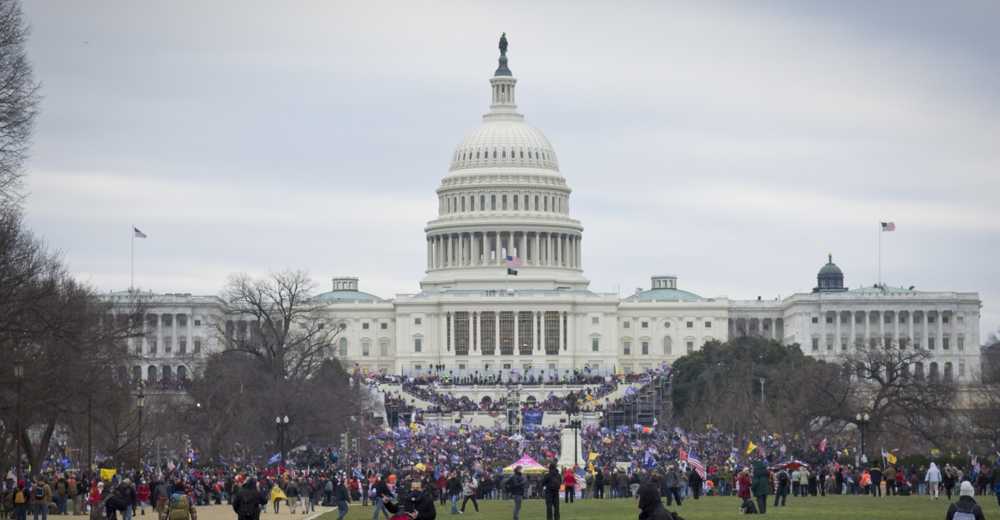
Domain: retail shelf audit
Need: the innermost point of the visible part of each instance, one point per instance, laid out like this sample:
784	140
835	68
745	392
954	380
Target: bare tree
18	101
903	401
286	331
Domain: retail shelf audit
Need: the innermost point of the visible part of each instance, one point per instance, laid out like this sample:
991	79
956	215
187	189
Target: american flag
513	262
888	226
696	464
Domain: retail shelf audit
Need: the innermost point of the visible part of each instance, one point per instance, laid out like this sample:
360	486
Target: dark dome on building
830	278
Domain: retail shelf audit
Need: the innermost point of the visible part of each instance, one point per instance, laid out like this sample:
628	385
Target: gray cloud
732	144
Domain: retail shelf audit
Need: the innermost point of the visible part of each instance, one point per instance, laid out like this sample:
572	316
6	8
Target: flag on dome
888	226
137	233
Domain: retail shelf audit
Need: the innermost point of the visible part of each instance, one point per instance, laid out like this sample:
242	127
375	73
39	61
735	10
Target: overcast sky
732	144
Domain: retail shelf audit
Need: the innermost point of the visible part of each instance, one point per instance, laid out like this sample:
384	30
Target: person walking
380	495
342	496
966	508
933	479
760	485
551	486
515	488
672	482
248	501
454	490
470	486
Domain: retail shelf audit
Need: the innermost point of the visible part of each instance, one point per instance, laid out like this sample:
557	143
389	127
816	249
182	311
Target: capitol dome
505	143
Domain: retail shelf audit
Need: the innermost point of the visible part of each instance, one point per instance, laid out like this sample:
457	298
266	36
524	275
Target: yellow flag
891	458
750	447
592	457
108	473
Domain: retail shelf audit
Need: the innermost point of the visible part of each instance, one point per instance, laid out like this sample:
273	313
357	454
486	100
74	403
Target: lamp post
281	422
862	419
140	404
18	377
573	411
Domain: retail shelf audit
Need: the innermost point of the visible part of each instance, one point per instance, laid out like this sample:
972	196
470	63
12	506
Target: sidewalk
225	512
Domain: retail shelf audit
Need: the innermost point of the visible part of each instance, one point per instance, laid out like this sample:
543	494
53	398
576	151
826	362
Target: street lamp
573	411
140	403
282	424
862	419
18	376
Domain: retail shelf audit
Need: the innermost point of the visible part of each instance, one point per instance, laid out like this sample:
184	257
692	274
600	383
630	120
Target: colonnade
475	249
506	333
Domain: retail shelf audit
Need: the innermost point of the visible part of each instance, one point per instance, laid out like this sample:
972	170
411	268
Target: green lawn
716	508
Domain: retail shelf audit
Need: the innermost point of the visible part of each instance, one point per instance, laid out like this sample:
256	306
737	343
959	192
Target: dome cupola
830	278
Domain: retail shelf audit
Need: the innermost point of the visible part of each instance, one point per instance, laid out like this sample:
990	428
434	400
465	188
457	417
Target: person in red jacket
142	496
569	484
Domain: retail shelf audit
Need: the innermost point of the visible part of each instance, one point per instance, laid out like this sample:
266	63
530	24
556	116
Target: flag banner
513	262
750	447
108	473
695	463
888	226
137	233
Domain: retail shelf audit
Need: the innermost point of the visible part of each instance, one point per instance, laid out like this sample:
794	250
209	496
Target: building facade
505	291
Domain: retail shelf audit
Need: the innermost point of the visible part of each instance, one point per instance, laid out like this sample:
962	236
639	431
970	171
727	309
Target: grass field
716	508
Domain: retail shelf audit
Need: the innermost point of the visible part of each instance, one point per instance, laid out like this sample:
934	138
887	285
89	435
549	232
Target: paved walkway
225	512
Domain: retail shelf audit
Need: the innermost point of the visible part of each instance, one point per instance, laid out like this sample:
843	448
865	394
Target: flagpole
131	263
880	254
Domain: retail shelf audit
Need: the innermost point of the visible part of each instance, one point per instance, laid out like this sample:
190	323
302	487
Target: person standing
760	484
599	484
696	483
966	507
781	495
876	475
569	485
380	495
248	501
933	479
890	480
419	503
41	496
342	496
650	506
20	502
551	488
515	488
454	490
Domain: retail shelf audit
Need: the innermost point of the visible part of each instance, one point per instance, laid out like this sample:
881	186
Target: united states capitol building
504	207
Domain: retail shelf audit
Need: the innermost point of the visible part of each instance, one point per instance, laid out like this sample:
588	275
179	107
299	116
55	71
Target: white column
940	332
475	249
559	253
451	335
517	334
909	322
522	250
868	328
926	336
854	318
836	340
190	335
159	333
579	252
173	333
895	319
535	256
541	315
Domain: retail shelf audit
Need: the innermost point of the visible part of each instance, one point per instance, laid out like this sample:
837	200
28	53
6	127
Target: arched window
343	347
136	374
918	370
472	203
536	202
366	348
503	202
668	345
493	202
167	376
482	203
463	204
182	373
947	371
383	348
933	371
122	374
151	374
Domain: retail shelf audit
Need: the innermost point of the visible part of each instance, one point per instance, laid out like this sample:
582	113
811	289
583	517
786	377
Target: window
961	342
668	345
418	344
515	200
418	367
627	348
930	342
690	347
383	326
503	202
167	347
482	202
815	319
690	324
843	344
645	324
493	202
536	202
815	344
365	349
197	345
627	324
944	319
595	320
545	203
961	368
472	203
945	343
417	321
364	325
708	325
343	347
645	348
595	344
829	319
666	324
383	349
152	346
197	323
182	346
